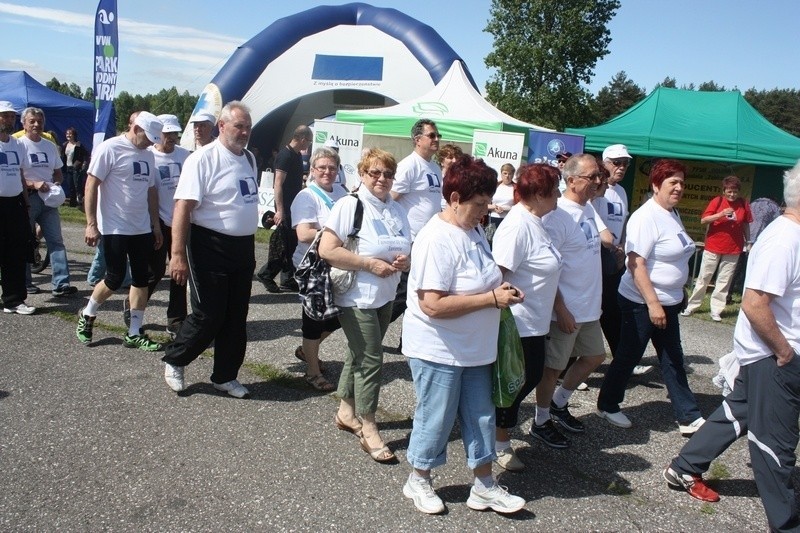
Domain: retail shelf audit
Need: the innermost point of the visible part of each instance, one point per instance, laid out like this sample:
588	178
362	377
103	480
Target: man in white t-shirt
765	401
169	159
15	230
418	189
122	209
217	196
202	128
41	179
575	230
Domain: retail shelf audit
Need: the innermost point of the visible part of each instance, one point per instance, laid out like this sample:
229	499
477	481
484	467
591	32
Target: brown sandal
300	354
320	383
379	455
344	427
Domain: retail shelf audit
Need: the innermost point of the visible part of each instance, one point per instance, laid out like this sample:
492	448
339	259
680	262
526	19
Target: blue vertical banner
106	56
544	146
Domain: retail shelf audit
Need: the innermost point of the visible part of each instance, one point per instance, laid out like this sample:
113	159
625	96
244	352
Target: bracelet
495	299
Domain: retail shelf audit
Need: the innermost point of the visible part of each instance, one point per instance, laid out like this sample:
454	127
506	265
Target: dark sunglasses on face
621	162
375	173
432	135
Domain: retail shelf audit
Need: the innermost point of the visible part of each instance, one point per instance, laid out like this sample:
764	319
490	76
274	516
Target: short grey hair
227	111
791	186
573	165
323	152
32	111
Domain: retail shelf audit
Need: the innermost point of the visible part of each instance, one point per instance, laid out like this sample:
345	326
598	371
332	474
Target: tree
619	95
779	106
543	53
672	83
710	86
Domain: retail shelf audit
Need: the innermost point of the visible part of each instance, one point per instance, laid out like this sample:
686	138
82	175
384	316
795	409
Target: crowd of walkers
576	271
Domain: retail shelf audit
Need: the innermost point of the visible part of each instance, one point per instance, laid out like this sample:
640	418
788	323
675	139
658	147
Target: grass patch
276	375
718	470
263	235
730	313
619	488
72	215
707	509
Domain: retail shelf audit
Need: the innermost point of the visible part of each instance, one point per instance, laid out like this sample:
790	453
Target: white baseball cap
615	151
54	196
6	106
170	122
331	143
204	116
151	126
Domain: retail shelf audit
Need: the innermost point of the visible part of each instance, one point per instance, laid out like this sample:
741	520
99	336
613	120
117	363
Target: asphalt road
91	439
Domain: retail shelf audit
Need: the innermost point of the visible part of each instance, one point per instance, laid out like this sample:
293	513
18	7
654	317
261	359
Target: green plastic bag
508	371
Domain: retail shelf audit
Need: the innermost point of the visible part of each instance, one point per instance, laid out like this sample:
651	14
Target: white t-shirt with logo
13	157
43	157
773	267
384	234
224	185
573	229
126	173
658	236
308	207
616	210
446	258
420	183
522	246
169	167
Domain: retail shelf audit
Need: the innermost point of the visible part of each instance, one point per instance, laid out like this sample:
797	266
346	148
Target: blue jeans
97	270
50	222
444	392
636	331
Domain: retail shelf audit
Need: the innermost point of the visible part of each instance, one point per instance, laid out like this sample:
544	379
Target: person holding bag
728	217
310	209
529	261
382	254
450	332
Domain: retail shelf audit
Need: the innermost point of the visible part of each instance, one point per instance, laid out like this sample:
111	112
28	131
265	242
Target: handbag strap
325	198
358	217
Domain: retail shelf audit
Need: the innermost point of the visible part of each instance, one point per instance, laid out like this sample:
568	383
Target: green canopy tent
707	126
454	104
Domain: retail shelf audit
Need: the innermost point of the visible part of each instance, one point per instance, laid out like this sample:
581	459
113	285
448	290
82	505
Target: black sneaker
65	290
271	286
290	285
550	435
563	418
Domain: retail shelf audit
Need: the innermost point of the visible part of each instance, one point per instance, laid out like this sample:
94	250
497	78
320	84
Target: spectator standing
76	160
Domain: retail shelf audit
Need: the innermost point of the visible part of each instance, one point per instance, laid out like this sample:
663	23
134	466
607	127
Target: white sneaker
640	370
421	491
497	498
583	387
234	388
690	429
21	309
686	312
715	317
173	375
508	460
615	419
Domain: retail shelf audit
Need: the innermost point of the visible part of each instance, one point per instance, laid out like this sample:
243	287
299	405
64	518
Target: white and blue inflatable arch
308	65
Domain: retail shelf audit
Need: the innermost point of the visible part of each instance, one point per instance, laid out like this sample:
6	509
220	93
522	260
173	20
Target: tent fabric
707	126
61	111
454	104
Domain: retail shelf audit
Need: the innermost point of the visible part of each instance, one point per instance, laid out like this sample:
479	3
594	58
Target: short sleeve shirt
291	163
13	157
309	207
420	183
726	235
43	157
169	167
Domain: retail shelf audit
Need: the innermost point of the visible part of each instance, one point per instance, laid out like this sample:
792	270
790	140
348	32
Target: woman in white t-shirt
530	262
650	299
502	199
450	329
384	243
310	209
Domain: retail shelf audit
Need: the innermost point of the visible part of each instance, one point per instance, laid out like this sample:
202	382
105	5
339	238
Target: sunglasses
375	173
622	162
432	136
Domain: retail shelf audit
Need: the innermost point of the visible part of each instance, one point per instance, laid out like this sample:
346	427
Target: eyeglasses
375	173
591	177
432	135
329	168
621	162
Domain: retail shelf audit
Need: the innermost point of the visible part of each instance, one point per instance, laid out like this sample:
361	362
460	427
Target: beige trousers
727	266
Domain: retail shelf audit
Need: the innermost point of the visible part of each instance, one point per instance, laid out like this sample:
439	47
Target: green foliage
779	106
618	96
543	52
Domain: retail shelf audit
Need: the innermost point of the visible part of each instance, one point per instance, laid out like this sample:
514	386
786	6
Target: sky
736	43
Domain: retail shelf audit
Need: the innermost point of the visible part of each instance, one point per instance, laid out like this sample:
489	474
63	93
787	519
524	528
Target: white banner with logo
497	148
348	139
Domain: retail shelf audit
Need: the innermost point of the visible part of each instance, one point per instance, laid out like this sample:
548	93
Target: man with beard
15	232
217	196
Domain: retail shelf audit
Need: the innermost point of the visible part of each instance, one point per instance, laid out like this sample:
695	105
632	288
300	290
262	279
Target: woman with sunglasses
383	247
450	330
310	209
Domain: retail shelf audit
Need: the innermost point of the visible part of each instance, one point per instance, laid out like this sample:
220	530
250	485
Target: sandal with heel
301	355
320	383
344	427
379	455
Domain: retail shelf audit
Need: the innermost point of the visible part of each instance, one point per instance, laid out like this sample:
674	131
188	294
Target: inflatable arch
309	65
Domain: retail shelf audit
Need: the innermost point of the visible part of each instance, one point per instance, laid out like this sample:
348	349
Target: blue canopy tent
61	111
